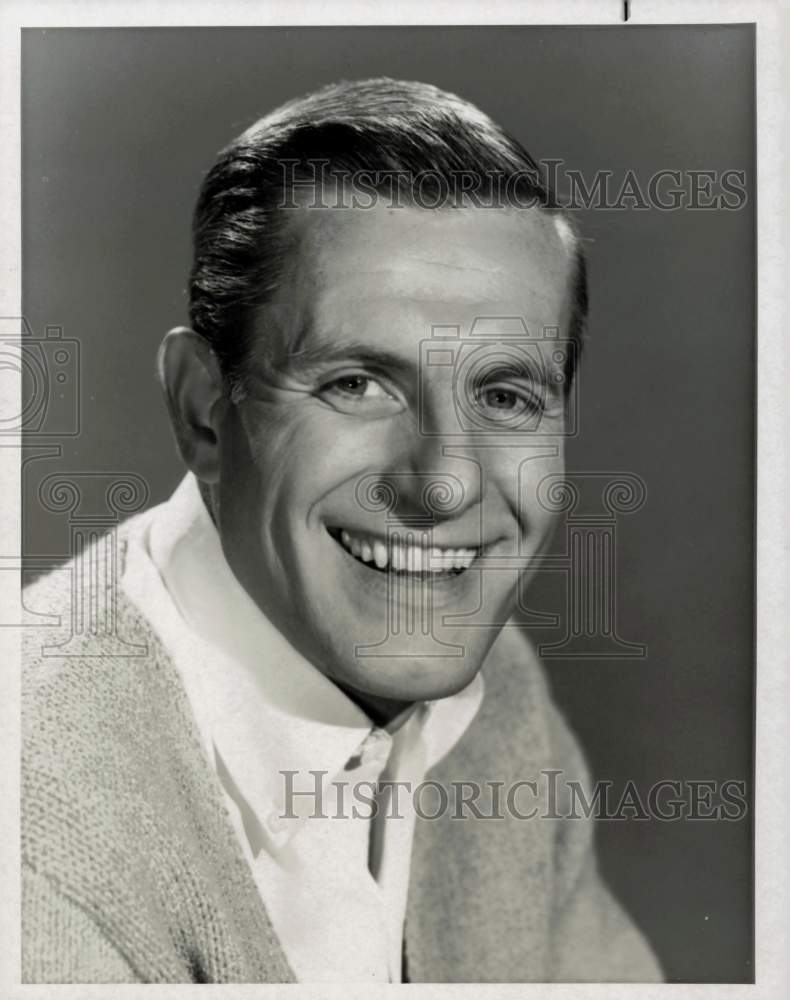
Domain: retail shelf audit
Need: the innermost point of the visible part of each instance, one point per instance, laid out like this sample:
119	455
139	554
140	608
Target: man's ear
190	376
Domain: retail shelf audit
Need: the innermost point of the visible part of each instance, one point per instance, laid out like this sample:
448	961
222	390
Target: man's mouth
404	555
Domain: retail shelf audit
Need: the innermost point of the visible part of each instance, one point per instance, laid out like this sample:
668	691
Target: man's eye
359	393
505	401
358	386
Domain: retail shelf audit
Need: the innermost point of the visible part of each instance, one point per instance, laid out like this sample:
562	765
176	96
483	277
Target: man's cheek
518	471
339	436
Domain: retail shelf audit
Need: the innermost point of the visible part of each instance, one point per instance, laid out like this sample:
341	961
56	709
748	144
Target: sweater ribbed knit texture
132	871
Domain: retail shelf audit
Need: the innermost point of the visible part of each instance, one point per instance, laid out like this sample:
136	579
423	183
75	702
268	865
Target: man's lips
403	552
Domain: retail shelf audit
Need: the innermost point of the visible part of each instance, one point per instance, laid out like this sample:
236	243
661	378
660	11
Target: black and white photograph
392	415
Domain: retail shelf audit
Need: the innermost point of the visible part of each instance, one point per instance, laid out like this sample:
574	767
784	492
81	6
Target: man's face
358	453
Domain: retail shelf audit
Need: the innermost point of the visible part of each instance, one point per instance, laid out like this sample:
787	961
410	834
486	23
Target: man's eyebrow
311	359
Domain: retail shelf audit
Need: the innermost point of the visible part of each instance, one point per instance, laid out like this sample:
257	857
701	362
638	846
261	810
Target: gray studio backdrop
118	128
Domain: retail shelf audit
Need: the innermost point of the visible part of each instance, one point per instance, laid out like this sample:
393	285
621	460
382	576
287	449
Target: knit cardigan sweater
132	870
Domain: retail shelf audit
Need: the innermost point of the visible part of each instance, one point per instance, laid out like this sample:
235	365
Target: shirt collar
263	706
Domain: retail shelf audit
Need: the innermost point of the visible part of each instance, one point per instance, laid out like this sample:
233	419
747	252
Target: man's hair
418	139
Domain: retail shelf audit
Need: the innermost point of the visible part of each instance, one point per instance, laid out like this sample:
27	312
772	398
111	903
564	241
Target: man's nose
441	473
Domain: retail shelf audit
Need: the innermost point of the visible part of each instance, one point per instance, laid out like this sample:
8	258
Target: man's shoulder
520	720
81	628
112	766
99	558
99	692
514	674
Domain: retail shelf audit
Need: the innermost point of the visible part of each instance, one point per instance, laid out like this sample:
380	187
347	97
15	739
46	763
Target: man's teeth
408	558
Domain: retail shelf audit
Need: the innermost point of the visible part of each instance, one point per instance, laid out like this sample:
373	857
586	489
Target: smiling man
374	386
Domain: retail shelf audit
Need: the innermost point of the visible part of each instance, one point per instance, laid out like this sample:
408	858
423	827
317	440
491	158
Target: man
386	310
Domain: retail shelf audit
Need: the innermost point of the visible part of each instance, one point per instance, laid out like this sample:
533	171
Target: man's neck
381	711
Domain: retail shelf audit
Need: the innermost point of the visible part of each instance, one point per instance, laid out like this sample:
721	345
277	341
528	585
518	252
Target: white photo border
772	819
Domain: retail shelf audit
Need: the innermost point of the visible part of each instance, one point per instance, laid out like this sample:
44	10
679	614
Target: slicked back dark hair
412	133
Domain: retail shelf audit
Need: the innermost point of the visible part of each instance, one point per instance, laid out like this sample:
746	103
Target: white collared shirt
333	881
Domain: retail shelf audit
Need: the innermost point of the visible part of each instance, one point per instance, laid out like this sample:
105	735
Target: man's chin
391	683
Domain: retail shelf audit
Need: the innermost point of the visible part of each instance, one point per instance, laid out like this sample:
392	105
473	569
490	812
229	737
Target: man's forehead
389	276
465	255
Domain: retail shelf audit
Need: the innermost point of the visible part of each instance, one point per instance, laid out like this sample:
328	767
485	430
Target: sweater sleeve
61	943
593	939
